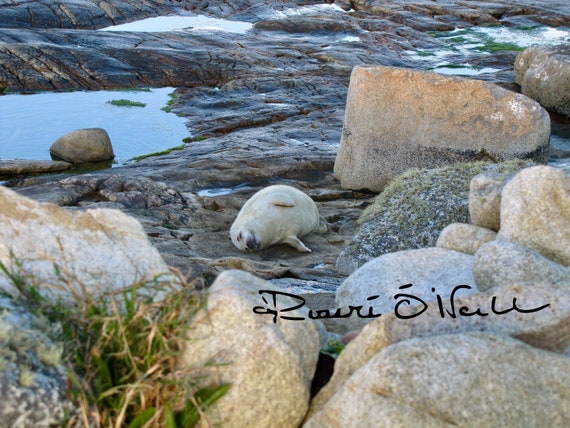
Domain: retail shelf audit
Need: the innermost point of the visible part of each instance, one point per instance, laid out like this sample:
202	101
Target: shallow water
182	23
31	123
220	191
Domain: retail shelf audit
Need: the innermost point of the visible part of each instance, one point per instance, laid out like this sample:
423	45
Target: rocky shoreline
260	118
263	108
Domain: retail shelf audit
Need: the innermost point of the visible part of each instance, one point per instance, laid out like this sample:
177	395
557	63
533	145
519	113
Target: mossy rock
414	208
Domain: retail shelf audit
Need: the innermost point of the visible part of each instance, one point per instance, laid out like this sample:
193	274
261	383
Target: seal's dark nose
251	244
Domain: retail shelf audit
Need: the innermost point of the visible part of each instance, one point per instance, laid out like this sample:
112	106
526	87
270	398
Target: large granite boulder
476	379
78	252
543	72
397	119
423	273
269	362
535	212
545	328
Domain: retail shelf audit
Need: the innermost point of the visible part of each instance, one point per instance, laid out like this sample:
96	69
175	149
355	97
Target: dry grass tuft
121	349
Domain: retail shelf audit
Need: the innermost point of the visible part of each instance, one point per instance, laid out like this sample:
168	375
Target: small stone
485	198
501	262
466	238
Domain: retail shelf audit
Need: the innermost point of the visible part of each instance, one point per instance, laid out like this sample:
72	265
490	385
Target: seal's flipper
282	199
296	243
323	227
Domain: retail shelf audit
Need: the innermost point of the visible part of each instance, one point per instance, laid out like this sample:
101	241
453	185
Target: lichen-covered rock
397	119
502	262
543	72
423	273
269	365
33	380
64	251
466	238
413	210
83	145
535	212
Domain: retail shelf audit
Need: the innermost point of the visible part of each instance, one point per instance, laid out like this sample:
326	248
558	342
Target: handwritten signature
403	300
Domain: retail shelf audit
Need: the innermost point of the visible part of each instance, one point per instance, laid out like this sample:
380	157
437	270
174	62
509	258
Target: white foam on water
316	9
525	37
466	42
221	191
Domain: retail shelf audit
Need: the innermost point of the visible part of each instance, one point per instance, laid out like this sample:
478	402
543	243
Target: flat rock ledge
22	166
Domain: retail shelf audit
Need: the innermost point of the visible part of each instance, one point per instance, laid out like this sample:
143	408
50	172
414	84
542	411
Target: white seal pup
278	214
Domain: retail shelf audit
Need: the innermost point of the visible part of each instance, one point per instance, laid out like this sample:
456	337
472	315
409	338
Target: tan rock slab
21	166
397	119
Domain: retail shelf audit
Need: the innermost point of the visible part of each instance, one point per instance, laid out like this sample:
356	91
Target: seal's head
245	240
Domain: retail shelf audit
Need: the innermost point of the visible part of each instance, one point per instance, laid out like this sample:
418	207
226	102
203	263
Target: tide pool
31	123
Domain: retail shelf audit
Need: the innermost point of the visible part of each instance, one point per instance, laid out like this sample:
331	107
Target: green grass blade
206	396
145	416
169	419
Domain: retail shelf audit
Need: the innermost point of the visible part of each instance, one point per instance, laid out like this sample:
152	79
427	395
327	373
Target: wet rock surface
262	107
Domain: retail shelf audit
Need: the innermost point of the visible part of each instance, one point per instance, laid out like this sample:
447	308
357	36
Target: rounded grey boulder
83	145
